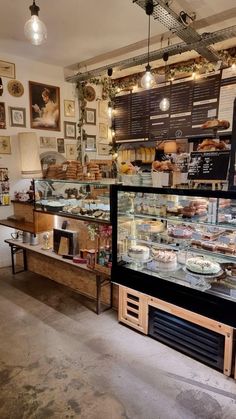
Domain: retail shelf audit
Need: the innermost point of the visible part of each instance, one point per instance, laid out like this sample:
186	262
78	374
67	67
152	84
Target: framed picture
7	70
104	149
71	151
44	106
60	145
47	142
69	129
90	144
17	117
5	144
69	108
2	115
103	130
103	109
90	116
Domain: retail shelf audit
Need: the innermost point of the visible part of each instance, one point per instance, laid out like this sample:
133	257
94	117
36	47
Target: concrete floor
58	359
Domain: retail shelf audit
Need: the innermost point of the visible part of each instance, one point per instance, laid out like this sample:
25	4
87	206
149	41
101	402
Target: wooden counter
79	277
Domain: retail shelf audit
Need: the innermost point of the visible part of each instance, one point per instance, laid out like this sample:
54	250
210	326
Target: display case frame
204	303
43	204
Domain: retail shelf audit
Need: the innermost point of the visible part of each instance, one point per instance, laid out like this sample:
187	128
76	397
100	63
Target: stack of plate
146	178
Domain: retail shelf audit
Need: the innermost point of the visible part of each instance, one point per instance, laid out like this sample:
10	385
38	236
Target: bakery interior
118	209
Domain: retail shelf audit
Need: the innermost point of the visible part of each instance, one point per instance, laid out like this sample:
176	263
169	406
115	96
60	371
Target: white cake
139	253
203	266
165	259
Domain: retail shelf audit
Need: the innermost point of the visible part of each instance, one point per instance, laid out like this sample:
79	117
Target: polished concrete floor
58	359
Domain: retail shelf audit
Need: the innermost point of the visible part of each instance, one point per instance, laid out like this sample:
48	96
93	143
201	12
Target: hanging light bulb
148	80
35	30
165	103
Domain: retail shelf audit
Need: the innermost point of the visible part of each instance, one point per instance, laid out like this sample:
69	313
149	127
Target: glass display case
177	245
82	200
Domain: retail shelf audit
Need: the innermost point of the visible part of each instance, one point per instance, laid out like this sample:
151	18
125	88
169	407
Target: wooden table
102	279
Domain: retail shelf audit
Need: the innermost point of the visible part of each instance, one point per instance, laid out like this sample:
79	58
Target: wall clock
15	88
89	93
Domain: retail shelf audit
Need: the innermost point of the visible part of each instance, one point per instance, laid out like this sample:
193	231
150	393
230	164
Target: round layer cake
165	259
139	253
203	266
181	232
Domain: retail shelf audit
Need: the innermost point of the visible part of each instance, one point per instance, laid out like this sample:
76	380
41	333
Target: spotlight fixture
35	30
148	80
165	103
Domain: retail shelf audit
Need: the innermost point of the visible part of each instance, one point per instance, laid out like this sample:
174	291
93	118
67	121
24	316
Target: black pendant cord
148	38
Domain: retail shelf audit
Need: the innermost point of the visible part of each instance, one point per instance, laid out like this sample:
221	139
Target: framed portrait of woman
44	106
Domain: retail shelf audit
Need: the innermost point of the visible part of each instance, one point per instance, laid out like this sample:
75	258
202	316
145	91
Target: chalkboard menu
210	165
192	102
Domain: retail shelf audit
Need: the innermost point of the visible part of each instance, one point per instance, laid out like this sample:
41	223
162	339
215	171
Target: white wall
26	71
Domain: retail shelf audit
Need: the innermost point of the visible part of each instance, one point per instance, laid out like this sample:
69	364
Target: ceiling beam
207	39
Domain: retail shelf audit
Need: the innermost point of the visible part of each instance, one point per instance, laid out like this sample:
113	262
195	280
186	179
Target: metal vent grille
196	341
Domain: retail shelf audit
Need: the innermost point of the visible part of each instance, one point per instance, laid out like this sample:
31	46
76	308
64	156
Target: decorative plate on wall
15	88
89	93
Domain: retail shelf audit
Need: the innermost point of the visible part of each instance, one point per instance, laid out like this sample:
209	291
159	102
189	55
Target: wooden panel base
133	309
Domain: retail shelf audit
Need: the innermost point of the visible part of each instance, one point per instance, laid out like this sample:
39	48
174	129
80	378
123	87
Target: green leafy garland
110	87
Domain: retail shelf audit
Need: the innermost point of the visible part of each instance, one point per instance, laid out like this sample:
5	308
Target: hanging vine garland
111	87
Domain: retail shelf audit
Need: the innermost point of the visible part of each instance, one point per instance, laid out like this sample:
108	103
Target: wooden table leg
98	296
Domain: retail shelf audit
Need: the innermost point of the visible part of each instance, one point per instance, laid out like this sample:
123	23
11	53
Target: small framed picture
7	70
5	144
103	130
104	149
69	129
60	145
47	142
2	115
71	151
17	117
69	108
90	144
90	116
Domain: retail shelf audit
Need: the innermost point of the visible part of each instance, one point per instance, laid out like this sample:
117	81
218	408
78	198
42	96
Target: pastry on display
181	232
139	253
202	266
151	226
165	259
216	123
211	145
163	166
196	206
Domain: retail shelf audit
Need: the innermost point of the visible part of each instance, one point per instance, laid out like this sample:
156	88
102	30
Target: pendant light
35	30
165	103
148	80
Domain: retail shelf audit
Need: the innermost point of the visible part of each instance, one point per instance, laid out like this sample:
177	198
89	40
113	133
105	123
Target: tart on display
15	88
89	93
